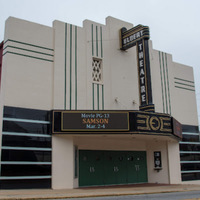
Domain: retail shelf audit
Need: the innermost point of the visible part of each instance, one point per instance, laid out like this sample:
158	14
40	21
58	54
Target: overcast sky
174	24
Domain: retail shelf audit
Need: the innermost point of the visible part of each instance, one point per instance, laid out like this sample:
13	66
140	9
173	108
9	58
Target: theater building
93	105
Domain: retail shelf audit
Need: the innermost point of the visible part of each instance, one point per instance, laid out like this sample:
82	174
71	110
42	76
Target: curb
90	194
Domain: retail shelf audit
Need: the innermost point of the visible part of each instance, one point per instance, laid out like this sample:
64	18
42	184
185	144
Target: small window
97	70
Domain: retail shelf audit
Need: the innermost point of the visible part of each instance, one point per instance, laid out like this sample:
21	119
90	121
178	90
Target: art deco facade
51	74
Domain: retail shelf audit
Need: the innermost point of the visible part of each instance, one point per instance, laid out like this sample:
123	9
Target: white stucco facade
50	68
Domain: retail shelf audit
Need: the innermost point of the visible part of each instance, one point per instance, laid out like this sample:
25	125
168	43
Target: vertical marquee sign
139	36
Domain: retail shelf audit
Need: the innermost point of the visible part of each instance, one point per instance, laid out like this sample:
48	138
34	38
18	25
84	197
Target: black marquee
114	122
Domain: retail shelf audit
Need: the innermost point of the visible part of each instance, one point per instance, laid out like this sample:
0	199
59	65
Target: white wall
70	69
171	95
170	172
184	100
62	162
123	78
163	175
174	162
106	142
29	65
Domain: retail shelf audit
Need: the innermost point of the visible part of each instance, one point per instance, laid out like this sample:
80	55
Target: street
162	196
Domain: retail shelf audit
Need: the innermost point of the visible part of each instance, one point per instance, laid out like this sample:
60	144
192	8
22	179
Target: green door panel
90	172
85	169
131	168
142	167
110	177
99	168
121	167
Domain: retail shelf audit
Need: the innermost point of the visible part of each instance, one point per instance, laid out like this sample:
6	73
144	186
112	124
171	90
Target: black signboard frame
90	121
138	122
129	38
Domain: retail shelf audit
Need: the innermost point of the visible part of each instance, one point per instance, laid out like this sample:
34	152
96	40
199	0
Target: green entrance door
131	167
137	167
115	167
141	166
111	167
121	167
91	168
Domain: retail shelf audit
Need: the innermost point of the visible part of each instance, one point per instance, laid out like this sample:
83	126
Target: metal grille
97	70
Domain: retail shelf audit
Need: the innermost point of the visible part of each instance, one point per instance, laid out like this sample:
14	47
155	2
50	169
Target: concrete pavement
94	192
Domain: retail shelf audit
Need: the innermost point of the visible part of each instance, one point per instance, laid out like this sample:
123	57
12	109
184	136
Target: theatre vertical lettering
139	36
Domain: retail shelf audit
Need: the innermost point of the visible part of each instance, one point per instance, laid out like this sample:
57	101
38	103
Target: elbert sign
139	36
142	73
129	38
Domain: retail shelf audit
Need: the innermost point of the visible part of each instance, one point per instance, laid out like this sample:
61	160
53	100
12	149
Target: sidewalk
94	192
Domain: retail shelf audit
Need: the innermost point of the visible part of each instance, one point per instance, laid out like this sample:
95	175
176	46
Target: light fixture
134	102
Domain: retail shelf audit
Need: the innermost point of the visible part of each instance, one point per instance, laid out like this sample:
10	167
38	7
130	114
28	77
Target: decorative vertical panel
65	80
97	53
164	74
70	72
